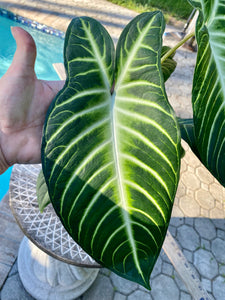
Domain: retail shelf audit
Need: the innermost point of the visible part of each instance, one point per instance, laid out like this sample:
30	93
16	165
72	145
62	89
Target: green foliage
111	142
179	8
111	156
208	96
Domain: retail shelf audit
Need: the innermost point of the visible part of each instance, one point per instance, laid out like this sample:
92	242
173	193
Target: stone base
45	277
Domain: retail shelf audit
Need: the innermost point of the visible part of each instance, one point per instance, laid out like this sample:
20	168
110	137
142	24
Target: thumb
25	55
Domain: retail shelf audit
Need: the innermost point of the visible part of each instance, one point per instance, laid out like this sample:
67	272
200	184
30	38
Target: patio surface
198	219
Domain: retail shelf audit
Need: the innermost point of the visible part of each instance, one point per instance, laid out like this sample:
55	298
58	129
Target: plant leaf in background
169	65
208	95
111	145
42	192
188	134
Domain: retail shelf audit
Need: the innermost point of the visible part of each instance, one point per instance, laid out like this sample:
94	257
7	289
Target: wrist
3	163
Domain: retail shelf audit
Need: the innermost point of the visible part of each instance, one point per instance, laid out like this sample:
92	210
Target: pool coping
31	23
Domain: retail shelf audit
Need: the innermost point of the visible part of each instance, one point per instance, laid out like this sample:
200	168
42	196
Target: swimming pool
49	51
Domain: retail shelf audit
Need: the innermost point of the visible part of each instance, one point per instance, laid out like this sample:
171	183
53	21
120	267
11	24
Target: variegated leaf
209	87
111	152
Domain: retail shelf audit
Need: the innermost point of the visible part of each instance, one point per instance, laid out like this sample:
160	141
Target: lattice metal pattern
44	229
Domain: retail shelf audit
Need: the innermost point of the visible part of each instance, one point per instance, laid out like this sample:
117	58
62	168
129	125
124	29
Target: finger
25	55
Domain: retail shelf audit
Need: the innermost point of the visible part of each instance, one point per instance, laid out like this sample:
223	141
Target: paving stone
189	207
218	246
191	193
204	186
205	199
205	228
176	221
189	255
190	180
206	263
14	290
9	228
4	271
177	212
185	296
206	283
191	159
164	288
191	170
204	175
219	288
219	204
204	212
188	237
4	205
216	191
167	269
139	295
122	285
119	296
220	234
189	221
173	230
181	190
222	270
8	251
183	166
157	268
205	244
218	219
164	257
14	269
100	289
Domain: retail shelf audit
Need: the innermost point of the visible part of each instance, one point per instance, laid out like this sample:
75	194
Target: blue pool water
49	51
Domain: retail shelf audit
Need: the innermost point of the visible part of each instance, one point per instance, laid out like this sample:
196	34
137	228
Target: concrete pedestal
47	278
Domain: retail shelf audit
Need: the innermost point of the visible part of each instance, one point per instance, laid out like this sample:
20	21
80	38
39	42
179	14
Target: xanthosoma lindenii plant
111	143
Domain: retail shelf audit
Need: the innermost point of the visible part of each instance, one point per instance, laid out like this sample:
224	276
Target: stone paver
139	295
206	263
218	246
10	237
197	224
219	287
205	228
164	288
188	237
122	285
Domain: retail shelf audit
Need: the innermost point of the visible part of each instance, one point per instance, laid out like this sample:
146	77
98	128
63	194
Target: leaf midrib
124	205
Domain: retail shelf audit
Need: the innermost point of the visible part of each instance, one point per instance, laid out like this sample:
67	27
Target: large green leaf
209	87
111	145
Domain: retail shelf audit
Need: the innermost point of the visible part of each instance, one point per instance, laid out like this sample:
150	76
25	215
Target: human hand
24	101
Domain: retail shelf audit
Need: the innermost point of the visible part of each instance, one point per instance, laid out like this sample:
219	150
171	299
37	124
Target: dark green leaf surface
42	192
209	88
111	156
188	133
